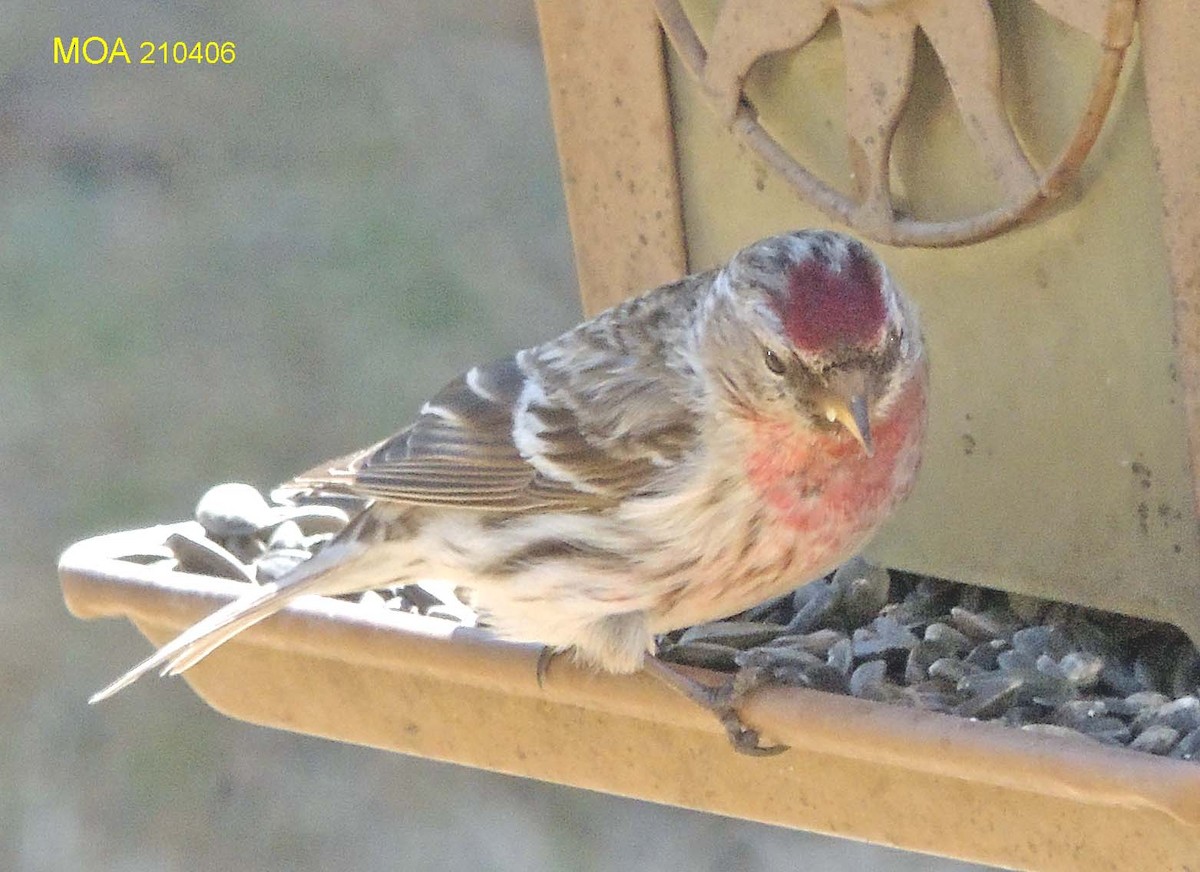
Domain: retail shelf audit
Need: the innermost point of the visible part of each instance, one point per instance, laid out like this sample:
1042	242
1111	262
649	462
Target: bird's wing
574	425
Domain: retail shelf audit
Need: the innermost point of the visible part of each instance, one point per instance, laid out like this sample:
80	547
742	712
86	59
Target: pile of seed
250	539
977	653
892	637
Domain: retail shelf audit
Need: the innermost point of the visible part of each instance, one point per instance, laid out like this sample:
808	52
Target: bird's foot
723	701
545	658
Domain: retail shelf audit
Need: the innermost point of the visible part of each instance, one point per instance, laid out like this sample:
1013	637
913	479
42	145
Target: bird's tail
204	637
332	570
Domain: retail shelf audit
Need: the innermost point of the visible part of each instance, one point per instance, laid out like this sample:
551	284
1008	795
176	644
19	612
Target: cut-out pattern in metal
879	38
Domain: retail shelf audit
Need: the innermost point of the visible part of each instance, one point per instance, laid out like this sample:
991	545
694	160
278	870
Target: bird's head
809	327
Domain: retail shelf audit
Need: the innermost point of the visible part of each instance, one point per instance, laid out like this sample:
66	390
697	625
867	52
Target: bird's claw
723	700
745	740
545	658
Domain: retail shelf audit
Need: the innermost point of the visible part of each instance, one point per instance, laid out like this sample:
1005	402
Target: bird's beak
847	404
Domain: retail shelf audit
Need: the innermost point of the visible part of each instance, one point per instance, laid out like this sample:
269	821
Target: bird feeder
1029	172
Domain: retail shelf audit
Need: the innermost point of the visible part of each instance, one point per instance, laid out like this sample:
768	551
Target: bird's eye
771	359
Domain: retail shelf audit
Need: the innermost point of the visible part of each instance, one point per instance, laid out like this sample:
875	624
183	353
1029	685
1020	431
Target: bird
675	459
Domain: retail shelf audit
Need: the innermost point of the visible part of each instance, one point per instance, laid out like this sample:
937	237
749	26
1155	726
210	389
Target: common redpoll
676	459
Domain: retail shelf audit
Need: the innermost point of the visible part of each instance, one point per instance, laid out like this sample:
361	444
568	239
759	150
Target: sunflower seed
735	634
233	509
313	520
1182	714
817	642
813	603
861	590
277	563
287	535
883	638
989	693
1081	668
841	656
867	682
949	669
245	548
1188	747
945	636
708	655
205	557
1159	739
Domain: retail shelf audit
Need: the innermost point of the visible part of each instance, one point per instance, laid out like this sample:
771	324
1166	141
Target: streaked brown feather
596	443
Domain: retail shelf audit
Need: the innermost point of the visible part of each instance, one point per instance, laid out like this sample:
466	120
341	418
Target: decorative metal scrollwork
879	36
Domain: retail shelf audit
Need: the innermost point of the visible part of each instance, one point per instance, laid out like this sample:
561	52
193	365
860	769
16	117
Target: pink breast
822	479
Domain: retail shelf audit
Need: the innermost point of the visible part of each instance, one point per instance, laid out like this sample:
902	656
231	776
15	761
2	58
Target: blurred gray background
230	273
